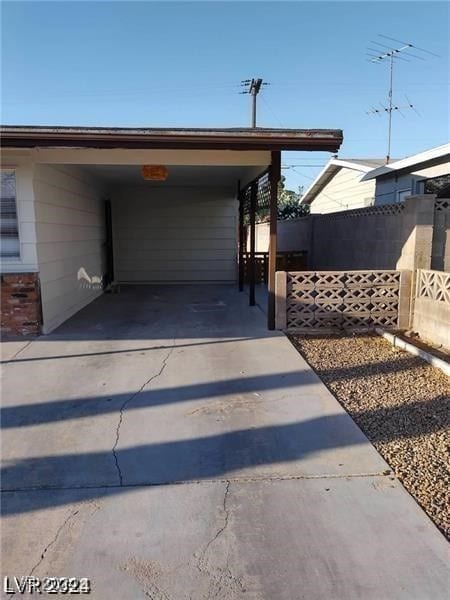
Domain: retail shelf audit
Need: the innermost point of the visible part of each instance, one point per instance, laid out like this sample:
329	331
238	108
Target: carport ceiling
179	176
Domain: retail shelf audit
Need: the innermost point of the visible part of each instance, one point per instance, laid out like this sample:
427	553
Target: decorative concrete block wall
20	304
308	301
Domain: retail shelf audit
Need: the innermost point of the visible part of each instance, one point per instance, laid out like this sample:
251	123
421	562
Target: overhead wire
270	109
322	192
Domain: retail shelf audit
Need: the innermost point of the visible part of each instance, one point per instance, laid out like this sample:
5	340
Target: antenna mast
390	53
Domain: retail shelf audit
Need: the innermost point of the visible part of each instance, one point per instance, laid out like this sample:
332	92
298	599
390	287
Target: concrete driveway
165	445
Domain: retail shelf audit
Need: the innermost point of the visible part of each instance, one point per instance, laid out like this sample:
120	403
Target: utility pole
253	88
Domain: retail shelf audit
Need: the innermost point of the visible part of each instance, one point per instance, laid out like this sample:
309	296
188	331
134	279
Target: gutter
325	140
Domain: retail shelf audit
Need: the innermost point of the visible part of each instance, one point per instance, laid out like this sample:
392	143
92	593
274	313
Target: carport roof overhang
259	138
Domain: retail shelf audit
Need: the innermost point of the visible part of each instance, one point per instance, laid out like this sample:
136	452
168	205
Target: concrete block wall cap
412	349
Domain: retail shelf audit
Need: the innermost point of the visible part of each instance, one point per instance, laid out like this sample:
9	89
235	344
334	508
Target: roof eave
422	160
327	173
324	177
328	140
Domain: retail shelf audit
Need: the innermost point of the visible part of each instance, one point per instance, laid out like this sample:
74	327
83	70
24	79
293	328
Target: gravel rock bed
400	402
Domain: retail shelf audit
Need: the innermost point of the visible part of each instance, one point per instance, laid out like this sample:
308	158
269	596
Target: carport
98	207
162	443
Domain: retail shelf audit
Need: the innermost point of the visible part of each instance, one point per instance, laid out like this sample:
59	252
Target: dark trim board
206	139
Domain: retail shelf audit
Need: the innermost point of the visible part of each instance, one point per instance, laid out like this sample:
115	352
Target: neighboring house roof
258	138
334	165
437	155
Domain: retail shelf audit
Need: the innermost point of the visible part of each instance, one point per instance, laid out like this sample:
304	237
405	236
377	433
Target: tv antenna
253	88
390	53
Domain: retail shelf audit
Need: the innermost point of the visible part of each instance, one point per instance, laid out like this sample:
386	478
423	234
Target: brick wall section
20	304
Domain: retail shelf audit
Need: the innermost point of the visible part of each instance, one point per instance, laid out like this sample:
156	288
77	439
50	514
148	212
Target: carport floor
165	445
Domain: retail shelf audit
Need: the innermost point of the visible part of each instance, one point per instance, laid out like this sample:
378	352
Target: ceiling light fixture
154	172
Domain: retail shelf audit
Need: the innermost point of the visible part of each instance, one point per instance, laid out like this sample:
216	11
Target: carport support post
241	241
253	201
275	174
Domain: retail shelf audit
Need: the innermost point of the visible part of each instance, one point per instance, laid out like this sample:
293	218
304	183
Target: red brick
20	304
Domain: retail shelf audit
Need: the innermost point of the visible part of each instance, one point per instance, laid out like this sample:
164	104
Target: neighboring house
85	206
345	184
424	173
339	187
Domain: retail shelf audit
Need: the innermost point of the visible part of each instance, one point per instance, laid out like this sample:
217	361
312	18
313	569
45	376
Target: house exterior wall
174	234
24	170
69	213
345	191
389	186
60	209
20	292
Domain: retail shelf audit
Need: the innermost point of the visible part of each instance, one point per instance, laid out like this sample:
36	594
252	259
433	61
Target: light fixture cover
154	172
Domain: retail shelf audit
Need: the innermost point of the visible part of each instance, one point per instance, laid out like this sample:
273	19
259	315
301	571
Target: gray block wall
391	237
431	320
411	235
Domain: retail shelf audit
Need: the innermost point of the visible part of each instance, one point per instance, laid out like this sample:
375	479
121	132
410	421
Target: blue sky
180	64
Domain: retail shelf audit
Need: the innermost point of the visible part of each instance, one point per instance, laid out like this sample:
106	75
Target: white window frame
420	186
18	257
402	194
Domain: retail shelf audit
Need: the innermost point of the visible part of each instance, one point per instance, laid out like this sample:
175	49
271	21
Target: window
402	194
9	232
437	185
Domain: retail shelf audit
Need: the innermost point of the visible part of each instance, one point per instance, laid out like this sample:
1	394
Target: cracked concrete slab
346	539
279	493
217	396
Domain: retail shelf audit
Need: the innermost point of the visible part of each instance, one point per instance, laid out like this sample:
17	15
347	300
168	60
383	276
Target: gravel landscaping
402	405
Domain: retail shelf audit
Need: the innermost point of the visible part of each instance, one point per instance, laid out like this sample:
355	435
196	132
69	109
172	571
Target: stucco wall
174	234
69	214
343	192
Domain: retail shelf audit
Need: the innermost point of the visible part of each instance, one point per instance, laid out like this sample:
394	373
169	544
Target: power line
322	192
292	166
186	88
269	107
